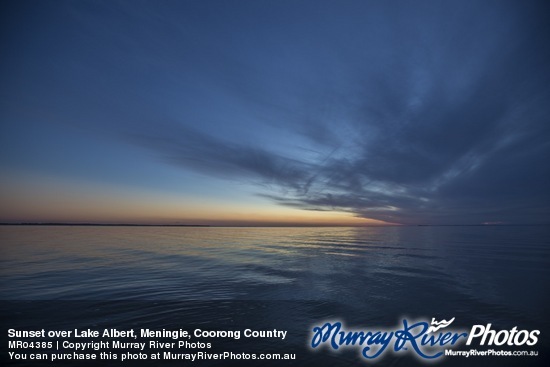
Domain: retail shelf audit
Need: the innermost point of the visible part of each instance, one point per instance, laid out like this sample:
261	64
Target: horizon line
87	224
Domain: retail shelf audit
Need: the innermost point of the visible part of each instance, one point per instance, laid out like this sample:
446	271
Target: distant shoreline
105	224
260	226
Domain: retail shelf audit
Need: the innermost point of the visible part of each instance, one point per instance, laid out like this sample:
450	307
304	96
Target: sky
275	112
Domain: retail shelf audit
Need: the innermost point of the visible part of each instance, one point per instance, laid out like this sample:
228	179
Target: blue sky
275	112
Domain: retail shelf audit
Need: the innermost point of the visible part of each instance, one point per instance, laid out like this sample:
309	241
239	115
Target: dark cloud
442	117
214	156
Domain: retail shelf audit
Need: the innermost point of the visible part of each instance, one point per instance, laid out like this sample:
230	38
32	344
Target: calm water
364	276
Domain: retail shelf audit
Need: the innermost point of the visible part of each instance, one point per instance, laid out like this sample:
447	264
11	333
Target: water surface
363	276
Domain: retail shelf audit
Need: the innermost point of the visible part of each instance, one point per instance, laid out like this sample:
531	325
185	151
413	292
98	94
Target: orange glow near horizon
55	201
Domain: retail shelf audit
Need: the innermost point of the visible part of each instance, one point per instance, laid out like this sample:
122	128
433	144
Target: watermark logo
425	340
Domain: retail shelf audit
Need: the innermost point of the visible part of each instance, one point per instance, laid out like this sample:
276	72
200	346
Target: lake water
284	278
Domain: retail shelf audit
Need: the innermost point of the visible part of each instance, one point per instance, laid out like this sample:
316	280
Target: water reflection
506	266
